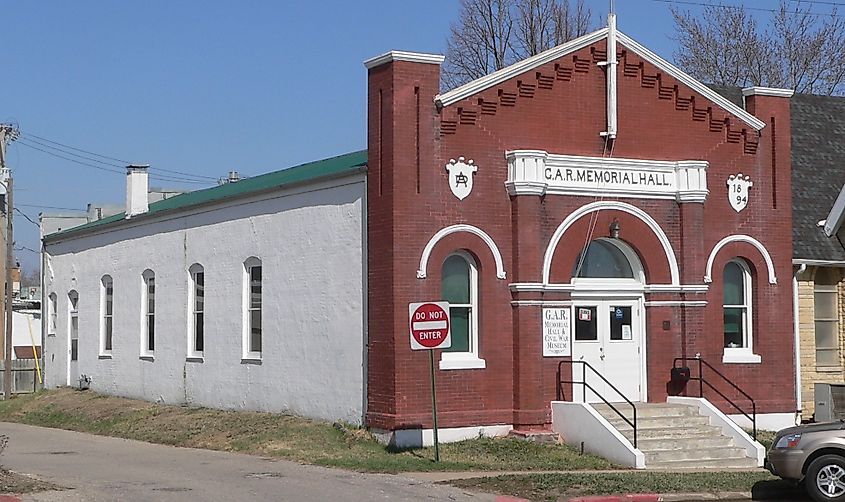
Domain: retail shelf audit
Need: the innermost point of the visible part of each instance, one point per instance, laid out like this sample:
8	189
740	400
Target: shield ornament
738	186
461	174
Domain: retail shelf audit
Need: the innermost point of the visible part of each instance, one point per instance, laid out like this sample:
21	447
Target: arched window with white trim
196	311
737	284
605	259
52	305
106	315
459	287
73	324
252	308
148	307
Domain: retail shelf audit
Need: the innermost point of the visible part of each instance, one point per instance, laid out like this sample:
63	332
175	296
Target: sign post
430	329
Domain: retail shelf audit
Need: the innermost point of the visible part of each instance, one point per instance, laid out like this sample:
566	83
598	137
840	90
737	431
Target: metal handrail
702	382
586	386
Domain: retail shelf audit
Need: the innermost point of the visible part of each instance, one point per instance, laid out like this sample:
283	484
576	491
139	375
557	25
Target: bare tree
492	34
798	49
31	276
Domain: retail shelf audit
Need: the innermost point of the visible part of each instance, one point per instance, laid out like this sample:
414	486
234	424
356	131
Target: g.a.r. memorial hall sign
535	172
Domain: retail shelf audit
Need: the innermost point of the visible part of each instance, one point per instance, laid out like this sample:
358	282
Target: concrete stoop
677	436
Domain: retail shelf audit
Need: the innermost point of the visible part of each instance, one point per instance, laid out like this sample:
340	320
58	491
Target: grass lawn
765	438
553	486
275	435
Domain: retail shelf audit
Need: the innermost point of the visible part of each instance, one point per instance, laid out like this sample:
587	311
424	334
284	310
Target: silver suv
814	454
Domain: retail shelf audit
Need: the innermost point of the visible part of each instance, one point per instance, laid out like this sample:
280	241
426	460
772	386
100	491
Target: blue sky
208	87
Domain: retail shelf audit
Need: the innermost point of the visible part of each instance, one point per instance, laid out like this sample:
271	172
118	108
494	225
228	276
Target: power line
124	162
820	2
115	162
37	206
23	142
45	145
760	9
159	177
27	217
24	248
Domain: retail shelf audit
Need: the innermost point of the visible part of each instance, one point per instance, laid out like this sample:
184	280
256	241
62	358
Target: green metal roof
312	171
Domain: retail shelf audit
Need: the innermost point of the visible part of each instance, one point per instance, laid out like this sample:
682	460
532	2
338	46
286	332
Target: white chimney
137	185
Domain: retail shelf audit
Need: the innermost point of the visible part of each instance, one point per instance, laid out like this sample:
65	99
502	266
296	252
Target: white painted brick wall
310	242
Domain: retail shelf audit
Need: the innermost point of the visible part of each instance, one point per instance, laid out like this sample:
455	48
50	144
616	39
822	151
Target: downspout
797	336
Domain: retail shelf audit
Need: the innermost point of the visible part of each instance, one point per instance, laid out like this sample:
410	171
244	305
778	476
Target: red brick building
644	215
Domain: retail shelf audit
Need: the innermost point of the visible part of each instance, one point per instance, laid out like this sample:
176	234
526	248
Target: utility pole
8	133
10	256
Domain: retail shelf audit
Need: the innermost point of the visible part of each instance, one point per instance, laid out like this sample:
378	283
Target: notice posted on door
557	332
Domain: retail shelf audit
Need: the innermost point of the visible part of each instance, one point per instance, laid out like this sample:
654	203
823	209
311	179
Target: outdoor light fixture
614	229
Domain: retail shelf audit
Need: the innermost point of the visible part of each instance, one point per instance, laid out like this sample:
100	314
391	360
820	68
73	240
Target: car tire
825	481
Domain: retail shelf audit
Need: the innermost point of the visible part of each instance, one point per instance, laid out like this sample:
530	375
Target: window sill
104	356
194	359
147	358
251	360
469	362
740	356
829	369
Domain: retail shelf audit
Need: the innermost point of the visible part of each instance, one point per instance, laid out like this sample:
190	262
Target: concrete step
678	437
722	452
703	463
683	443
661	422
646	410
706	431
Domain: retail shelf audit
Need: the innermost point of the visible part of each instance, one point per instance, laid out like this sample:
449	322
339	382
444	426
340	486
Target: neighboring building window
736	298
52	305
196	300
148	344
73	303
252	323
826	303
106	314
459	287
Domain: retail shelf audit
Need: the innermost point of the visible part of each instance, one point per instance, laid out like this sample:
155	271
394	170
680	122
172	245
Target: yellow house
818	176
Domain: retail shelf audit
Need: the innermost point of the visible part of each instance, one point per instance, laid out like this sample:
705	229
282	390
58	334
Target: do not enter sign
430	326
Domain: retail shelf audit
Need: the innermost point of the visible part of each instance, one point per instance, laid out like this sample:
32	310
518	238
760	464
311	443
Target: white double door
608	335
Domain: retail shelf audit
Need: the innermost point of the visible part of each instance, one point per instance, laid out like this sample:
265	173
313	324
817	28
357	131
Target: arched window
52	314
106	314
73	323
252	308
459	287
737	313
148	300
196	317
826	318
603	259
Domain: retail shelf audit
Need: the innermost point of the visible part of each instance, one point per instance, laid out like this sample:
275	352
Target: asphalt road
96	468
